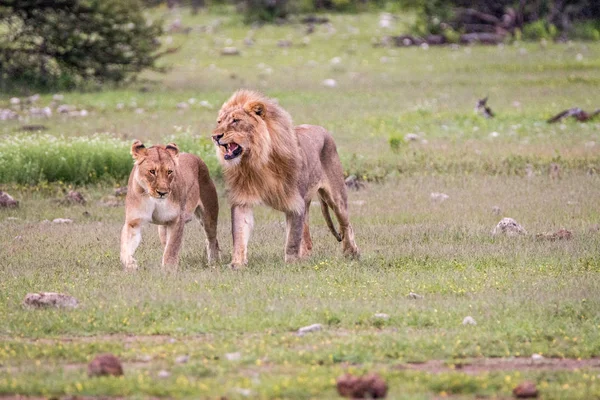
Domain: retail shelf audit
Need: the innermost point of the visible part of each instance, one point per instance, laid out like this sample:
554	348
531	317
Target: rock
381	316
65	109
44	112
233	356
183	105
468	320
50	299
164	374
182	359
7	201
352	182
230	51
411	137
508	227
526	390
438	196
386	20
310	328
554	171
62	221
74	197
561	234
284	43
6	114
244	392
139	111
58	97
529	172
205	104
496	210
369	386
33	99
15	101
248	41
121	191
414	296
104	365
537	357
330	83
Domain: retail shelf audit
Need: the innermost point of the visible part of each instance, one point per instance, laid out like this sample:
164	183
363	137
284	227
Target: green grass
527	296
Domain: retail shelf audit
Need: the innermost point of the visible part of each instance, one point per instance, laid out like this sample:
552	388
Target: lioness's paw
131	265
237	266
352	252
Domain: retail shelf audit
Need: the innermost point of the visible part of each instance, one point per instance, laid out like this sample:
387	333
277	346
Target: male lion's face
156	167
238	129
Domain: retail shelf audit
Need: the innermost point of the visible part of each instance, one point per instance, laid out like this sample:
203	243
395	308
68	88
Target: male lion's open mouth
232	150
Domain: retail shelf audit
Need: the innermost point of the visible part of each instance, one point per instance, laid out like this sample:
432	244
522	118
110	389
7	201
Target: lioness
267	160
166	187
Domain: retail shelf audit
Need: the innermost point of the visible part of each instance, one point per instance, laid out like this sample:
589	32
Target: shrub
64	43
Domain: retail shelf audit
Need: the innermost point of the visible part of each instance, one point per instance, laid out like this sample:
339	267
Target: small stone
381	316
468	320
183	105
370	386
74	197
139	111
284	43
6	114
233	356
526	390
182	359
205	104
62	221
65	109
508	227
50	299
352	182
496	210
120	106
33	99
58	97
414	296
310	328
104	365
244	392
7	201
537	357
15	101
121	191
438	196
330	83
164	374
230	51
411	137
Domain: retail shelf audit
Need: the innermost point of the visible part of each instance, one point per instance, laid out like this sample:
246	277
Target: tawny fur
167	188
281	166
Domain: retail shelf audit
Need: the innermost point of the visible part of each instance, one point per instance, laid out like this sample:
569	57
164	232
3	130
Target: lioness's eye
169	172
218	121
152	171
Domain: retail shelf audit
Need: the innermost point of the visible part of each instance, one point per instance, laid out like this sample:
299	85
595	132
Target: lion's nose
217	137
161	194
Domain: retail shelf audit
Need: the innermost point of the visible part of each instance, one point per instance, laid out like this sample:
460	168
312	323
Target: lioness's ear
255	107
173	149
138	150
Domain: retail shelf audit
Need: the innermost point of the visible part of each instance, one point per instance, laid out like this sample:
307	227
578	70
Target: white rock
414	296
183	105
230	51
233	356
139	110
192	100
335	61
6	114
509	227
65	108
468	320
164	373
120	106
244	392
330	83
537	357
182	359
62	221
83	113
205	104
15	101
438	196
58	97
494	134
411	137
381	316
310	328
50	299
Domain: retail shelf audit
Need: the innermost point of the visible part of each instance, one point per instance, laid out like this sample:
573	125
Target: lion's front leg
242	222
174	242
294	234
131	236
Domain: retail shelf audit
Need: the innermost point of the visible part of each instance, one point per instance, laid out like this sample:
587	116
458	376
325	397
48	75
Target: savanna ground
527	296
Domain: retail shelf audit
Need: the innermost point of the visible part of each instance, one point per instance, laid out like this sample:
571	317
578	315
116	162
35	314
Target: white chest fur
158	211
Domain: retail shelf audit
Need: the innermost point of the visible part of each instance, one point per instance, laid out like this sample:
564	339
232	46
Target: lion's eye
235	120
218	121
152	171
169	172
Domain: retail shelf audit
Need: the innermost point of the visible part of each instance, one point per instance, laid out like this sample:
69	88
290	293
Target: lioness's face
156	167
237	130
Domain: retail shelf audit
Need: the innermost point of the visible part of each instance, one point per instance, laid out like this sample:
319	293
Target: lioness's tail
325	211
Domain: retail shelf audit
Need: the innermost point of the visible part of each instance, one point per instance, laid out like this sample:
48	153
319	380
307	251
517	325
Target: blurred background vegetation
70	43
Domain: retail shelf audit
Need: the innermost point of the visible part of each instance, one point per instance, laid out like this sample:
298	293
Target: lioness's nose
161	194
217	137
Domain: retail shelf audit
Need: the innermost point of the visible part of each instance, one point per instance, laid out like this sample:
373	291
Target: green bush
65	43
589	30
31	159
539	30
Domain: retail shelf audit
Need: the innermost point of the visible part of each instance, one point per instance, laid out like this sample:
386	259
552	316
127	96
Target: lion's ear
256	107
173	149
138	150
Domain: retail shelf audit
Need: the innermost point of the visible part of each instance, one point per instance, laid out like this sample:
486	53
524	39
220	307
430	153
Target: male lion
166	187
267	160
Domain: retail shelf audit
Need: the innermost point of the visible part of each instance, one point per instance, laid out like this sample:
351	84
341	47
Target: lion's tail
325	211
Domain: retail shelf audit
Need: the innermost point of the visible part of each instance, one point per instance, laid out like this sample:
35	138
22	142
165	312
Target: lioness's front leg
174	241
294	232
242	222
131	235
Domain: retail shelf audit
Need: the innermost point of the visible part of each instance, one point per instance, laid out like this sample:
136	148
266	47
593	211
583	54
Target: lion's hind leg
338	203
307	245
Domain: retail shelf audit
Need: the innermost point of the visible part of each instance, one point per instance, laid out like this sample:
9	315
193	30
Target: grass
528	296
